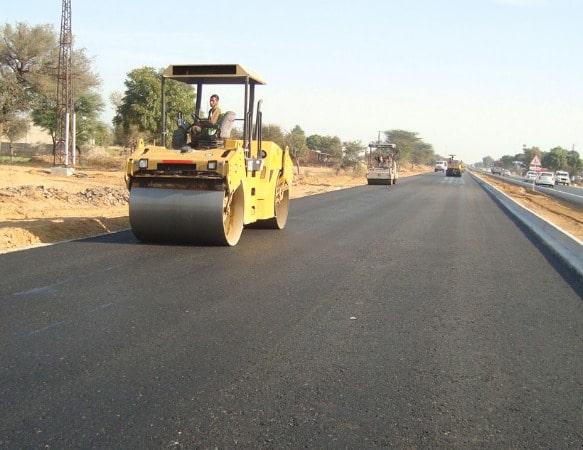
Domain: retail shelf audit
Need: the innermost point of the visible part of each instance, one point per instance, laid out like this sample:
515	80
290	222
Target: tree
88	106
556	159
296	142
410	147
422	153
29	76
139	109
574	162
26	62
353	153
9	103
314	142
530	153
487	161
508	161
102	134
15	128
28	57
329	145
273	133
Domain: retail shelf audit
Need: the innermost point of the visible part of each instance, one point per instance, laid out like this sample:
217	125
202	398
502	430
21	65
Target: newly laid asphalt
418	315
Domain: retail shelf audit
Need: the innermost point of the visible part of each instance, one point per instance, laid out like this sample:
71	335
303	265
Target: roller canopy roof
212	74
373	145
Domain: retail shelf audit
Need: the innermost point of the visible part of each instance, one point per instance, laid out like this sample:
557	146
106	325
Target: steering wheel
196	118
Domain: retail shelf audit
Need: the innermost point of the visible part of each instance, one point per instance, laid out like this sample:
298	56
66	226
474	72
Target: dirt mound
99	196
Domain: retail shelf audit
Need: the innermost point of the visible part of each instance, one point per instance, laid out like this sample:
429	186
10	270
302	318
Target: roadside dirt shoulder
566	216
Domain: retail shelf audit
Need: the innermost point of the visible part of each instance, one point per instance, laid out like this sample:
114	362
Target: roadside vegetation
557	158
29	56
29	60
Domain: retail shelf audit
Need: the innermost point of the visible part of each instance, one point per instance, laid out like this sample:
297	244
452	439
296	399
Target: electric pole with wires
65	117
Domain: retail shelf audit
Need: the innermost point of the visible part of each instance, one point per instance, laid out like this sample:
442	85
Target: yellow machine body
455	167
207	192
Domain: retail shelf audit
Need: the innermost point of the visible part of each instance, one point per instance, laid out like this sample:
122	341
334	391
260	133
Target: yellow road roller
207	190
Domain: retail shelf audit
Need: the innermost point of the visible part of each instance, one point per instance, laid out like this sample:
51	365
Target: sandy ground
38	207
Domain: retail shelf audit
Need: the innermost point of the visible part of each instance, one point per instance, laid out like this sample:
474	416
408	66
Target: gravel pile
98	196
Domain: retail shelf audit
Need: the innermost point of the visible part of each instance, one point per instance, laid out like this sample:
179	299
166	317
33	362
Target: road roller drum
173	215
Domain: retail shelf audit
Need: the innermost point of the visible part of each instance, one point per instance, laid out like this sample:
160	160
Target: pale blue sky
471	77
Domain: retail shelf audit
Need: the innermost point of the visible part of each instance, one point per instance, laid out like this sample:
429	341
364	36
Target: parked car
506	173
530	176
545	179
562	177
440	166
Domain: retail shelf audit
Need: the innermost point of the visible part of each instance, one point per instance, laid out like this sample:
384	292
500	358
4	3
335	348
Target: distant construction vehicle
382	164
207	191
455	167
497	168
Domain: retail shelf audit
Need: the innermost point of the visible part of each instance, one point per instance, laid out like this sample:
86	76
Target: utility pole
65	130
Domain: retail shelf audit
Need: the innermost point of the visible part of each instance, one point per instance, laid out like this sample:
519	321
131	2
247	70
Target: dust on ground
39	207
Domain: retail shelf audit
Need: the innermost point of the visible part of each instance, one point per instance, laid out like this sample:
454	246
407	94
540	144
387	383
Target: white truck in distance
440	166
562	177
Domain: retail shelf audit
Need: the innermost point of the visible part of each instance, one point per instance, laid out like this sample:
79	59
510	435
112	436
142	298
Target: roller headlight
143	163
211	165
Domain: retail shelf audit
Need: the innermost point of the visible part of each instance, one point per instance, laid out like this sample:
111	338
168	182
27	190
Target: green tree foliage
329	145
410	147
556	159
88	103
139	110
314	142
487	161
353	153
422	153
574	163
26	60
87	108
102	135
507	161
296	142
530	153
29	75
273	133
15	128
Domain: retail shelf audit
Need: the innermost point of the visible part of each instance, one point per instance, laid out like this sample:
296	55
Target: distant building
36	141
316	157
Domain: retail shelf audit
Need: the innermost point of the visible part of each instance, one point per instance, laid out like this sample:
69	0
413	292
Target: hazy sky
471	77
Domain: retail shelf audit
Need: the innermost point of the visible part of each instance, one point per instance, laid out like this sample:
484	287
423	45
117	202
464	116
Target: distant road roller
382	164
455	167
207	190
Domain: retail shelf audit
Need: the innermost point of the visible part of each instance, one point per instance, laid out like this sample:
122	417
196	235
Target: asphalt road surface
417	315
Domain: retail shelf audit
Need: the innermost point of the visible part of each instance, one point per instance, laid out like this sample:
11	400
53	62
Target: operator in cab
201	127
